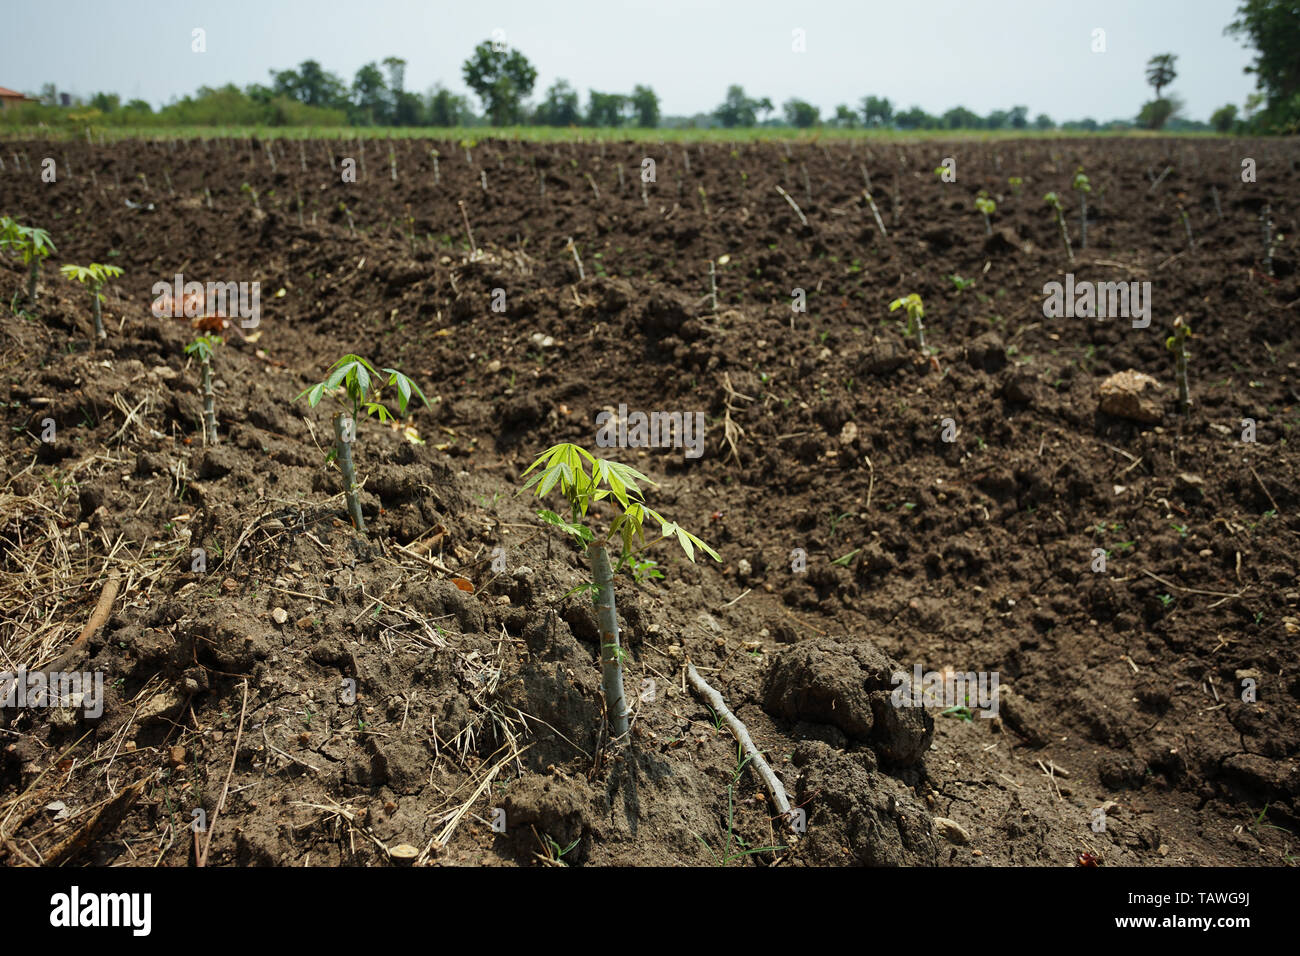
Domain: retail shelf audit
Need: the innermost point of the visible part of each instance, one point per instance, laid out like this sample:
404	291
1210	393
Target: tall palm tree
1160	71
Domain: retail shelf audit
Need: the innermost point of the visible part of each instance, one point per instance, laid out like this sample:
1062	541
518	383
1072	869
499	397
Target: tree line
503	80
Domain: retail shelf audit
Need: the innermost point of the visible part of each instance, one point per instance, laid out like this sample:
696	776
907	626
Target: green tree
916	118
370	96
739	110
801	113
1223	118
1156	113
961	118
560	107
1019	117
447	109
1273	28
1161	72
606	109
501	80
1043	122
310	84
645	104
105	102
403	107
877	110
845	118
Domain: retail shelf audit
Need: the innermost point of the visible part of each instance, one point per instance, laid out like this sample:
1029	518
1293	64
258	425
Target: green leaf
549	478
685	539
403	391
335	378
701	545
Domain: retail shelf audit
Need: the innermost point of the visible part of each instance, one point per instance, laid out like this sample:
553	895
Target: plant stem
209	404
468	232
1180	365
99	315
31	280
611	667
874	211
793	205
1187	225
1065	235
582	275
1083	220
344	450
1265	220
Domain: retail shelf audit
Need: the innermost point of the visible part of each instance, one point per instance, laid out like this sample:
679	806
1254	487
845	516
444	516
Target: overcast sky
981	54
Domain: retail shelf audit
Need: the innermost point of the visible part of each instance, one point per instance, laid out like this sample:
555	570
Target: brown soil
1123	688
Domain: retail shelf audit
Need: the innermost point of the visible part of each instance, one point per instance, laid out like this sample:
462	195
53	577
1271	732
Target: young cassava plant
202	349
987	207
34	246
95	276
915	313
1054	203
9	232
1082	187
1177	343
583	479
357	386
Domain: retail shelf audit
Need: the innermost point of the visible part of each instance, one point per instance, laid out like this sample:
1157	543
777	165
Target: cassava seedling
202	348
915	313
987	207
95	276
1015	182
1054	202
583	479
9	231
357	385
1082	187
1177	343
1187	225
34	246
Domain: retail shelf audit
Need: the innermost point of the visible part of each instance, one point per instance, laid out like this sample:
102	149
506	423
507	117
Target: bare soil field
950	506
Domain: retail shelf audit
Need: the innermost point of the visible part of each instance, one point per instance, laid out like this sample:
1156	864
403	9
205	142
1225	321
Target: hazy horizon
980	54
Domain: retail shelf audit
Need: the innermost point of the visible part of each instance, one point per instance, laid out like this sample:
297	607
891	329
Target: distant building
10	99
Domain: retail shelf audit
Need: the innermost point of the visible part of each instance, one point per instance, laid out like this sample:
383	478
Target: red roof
7	93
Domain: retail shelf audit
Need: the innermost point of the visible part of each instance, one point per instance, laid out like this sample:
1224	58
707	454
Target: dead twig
97	619
212	824
761	767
